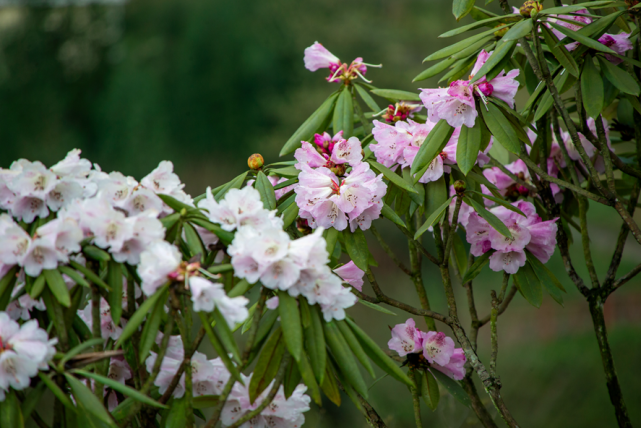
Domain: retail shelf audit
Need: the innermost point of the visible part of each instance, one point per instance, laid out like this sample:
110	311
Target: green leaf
474	48
493	220
459	46
31	400
499	201
477	266
520	29
218	347
289	171
57	286
267	364
313	124
460	8
431	147
89	275
81	347
10	412
37	287
547	101
236	183
355	346
344	113
584	40
139	316
286	183
432	219
592	88
289	215
74	275
114	277
392	176
618	77
177	413
395	94
560	52
330	387
459	253
60	395
547	278
266	190
356	246
367	98
344	358
376	354
225	236
151	327
529	285
389	214
502	49
501	128
205	401
331	236
123	389
418	196
226	336
469	144
87	401
376	307
429	389
220	268
307	374
477	24
453	387
96	253
291	324
193	241
315	344
435	69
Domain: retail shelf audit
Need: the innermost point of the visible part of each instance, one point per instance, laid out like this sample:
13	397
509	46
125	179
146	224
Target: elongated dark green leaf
560	52
501	128
459	253
87	401
286	183
395	94
225	236
344	358
193	241
344	113
315	344
89	275
57	286
330	387
10	412
433	218
619	78
356	246
81	347
289	172
139	316
74	275
177	414
369	101
477	266
520	29
392	176
150	330
267	364
123	389
331	236
501	202
7	281
291	324
389	214
529	285
493	220
459	70
565	9
474	48
547	278
310	126
37	287
478	24
546	100
96	253
236	183
418	197
435	69
469	144
114	277
285	203
502	49
460	8
429	390
592	88
32	399
60	395
376	307
289	215
355	346
226	336
584	40
307	374
220	268
218	346
376	354
266	190
431	147
453	387
459	46
206	401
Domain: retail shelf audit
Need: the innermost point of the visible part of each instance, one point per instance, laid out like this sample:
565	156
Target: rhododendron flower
207	295
156	263
107	327
456	104
455	368
240	207
406	338
163	180
119	371
24	349
400	111
317	56
329	152
437	347
351	274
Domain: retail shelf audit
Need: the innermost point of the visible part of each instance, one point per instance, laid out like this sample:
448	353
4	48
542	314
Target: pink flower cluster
317	56
282	412
530	232
325	200
457	104
437	348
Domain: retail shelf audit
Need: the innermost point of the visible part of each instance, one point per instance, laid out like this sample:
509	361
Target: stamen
336	72
372	65
482	95
362	77
379	113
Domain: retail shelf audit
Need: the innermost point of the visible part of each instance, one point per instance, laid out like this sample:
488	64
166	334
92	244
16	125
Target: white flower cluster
261	250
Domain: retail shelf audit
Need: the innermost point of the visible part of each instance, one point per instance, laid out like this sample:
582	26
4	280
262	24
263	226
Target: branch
627	277
389	251
415	400
502	307
494	333
176	379
513	176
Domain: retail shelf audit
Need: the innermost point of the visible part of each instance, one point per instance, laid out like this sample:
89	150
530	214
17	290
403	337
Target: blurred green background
206	83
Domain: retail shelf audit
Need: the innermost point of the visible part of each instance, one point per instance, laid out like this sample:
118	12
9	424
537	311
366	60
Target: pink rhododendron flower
437	347
108	330
455	368
207	295
156	263
351	274
317	57
406	338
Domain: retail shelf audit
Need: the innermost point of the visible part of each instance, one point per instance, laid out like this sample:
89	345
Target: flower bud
530	7
459	186
501	32
255	161
339	169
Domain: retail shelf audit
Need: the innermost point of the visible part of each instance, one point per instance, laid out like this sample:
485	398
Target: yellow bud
255	161
529	7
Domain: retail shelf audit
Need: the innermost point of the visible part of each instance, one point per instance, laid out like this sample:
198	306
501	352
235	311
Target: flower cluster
325	200
282	412
457	104
261	250
437	348
529	232
24	349
317	56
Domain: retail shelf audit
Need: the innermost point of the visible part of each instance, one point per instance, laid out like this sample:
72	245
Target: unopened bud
501	32
255	161
459	186
530	7
339	169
